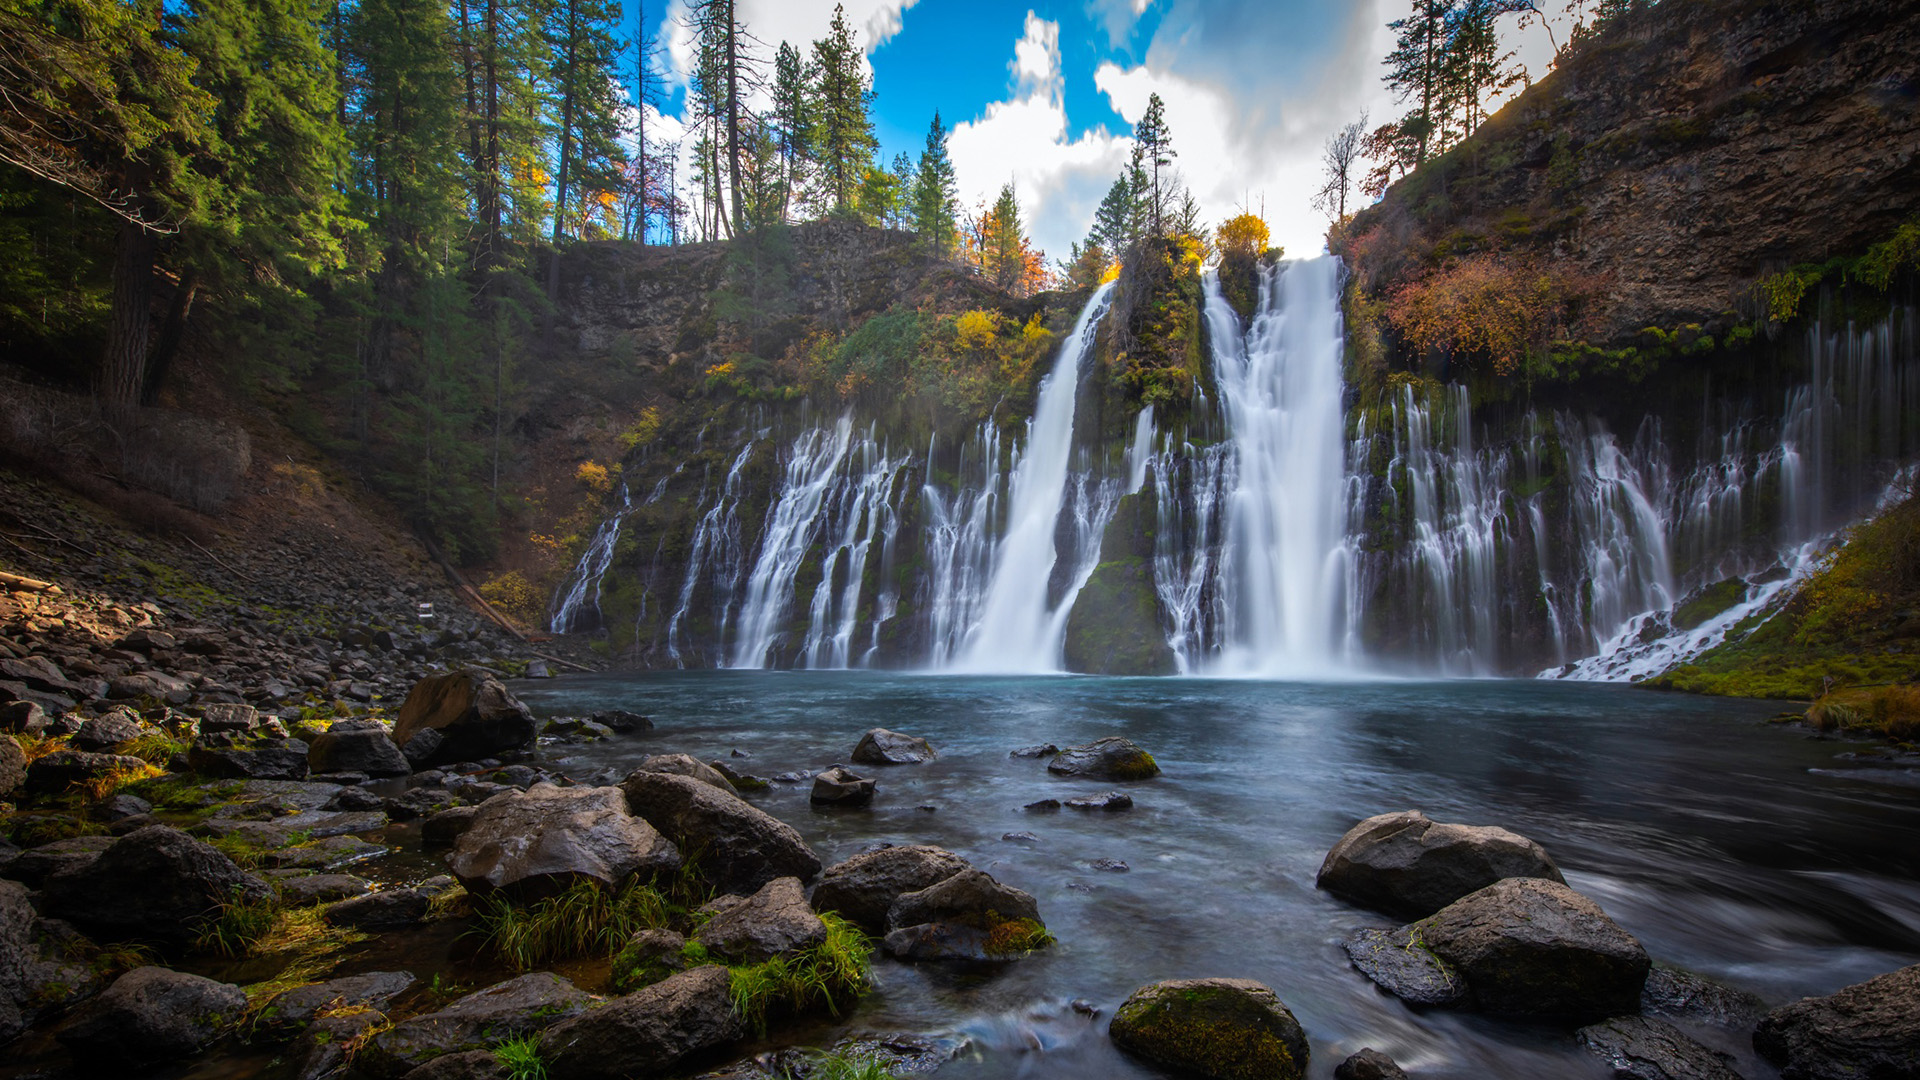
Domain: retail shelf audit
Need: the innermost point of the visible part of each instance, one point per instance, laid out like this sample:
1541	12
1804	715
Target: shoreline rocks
1407	865
534	843
1869	1029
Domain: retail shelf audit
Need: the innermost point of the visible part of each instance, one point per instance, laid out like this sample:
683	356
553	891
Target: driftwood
27	584
460	582
217	559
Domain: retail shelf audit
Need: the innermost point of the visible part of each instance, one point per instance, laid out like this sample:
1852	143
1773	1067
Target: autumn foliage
1244	235
1492	305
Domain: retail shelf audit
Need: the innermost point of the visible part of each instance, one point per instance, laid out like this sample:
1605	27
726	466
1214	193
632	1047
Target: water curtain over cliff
1411	533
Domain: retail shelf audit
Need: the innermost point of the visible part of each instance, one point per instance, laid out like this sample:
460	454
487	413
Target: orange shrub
1497	306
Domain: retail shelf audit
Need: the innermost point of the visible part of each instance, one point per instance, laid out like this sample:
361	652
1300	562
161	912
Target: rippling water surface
1749	853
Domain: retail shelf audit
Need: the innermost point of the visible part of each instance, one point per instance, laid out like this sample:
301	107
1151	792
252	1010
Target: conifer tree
792	122
935	199
1114	220
502	60
585	53
1417	69
843	128
1154	146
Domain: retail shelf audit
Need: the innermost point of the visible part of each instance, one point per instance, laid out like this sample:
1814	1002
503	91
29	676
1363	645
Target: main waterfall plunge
1280	530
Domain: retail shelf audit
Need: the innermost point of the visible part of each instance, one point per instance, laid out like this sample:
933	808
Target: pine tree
1417	68
585	53
1113	222
1004	242
502	60
936	203
843	128
792	122
1476	67
1154	144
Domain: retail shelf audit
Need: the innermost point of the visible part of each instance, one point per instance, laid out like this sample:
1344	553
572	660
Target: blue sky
1043	94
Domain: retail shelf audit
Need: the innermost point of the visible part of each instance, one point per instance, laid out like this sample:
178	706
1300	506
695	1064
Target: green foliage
1017	937
935	195
33	830
842	136
832	973
844	1066
585	920
239	928
521	1058
1899	252
1784	291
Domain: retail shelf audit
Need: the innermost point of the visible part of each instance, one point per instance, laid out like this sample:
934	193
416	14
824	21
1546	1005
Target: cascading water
569	608
1021	620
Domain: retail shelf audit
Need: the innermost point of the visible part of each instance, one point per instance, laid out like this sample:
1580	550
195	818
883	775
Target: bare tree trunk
123	365
171	332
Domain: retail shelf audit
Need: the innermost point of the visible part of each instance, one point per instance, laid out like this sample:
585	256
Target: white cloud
1023	140
800	22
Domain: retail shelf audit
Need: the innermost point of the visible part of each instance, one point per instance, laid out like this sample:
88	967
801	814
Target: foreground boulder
538	842
968	916
1111	758
1869	1030
41	970
295	1009
739	847
1642	1048
1220	1029
357	746
772	922
508	1010
470	712
1532	947
1408	865
151	1016
882	747
153	883
13	768
646	1032
862	888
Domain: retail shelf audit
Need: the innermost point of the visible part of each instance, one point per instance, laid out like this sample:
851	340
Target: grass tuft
832	973
521	1058
844	1066
585	920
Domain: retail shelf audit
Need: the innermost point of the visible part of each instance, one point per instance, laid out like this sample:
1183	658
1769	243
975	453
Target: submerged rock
1111	758
882	747
1682	995
540	841
1869	1030
1220	1029
841	786
1407	865
1640	1048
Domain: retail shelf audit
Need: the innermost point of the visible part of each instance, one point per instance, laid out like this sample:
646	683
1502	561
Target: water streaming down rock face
1429	535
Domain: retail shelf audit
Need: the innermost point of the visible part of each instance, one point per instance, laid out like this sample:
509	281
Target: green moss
1212	1031
1709	602
1017	937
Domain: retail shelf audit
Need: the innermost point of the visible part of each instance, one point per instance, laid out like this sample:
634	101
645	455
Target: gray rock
388	909
863	887
1368	1064
772	922
151	1016
1111	758
120	807
686	765
647	957
646	1032
1533	947
447	826
939	941
468	1065
968	898
508	1010
34	866
298	1007
228	717
106	731
1682	995
472	711
1407	865
1640	1048
739	847
153	883
538	842
1222	1029
223	757
622	721
1869	1030
1040	751
356	799
1408	971
322	889
1109	801
423	748
361	746
882	747
841	786
323	1044
53	774
23	717
740	781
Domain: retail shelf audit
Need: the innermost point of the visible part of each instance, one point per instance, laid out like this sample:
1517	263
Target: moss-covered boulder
1220	1029
1114	628
1111	758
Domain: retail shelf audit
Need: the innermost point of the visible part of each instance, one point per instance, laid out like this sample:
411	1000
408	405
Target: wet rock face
151	1016
1405	969
1408	865
739	847
473	714
646	1032
1369	1064
1869	1029
882	747
1111	758
153	883
772	922
841	786
540	841
361	746
686	765
507	1010
1642	1048
1220	1029
1531	947
862	888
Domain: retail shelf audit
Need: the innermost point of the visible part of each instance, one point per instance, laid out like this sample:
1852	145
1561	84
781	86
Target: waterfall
1020	627
717	559
567	615
1282	573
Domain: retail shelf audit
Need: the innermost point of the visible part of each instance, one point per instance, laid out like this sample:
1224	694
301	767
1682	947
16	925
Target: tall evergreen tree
1114	220
585	55
935	198
792	122
1417	69
1154	144
503	61
843	126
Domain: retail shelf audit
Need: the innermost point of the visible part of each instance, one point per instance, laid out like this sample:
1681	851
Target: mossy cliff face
1115	626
